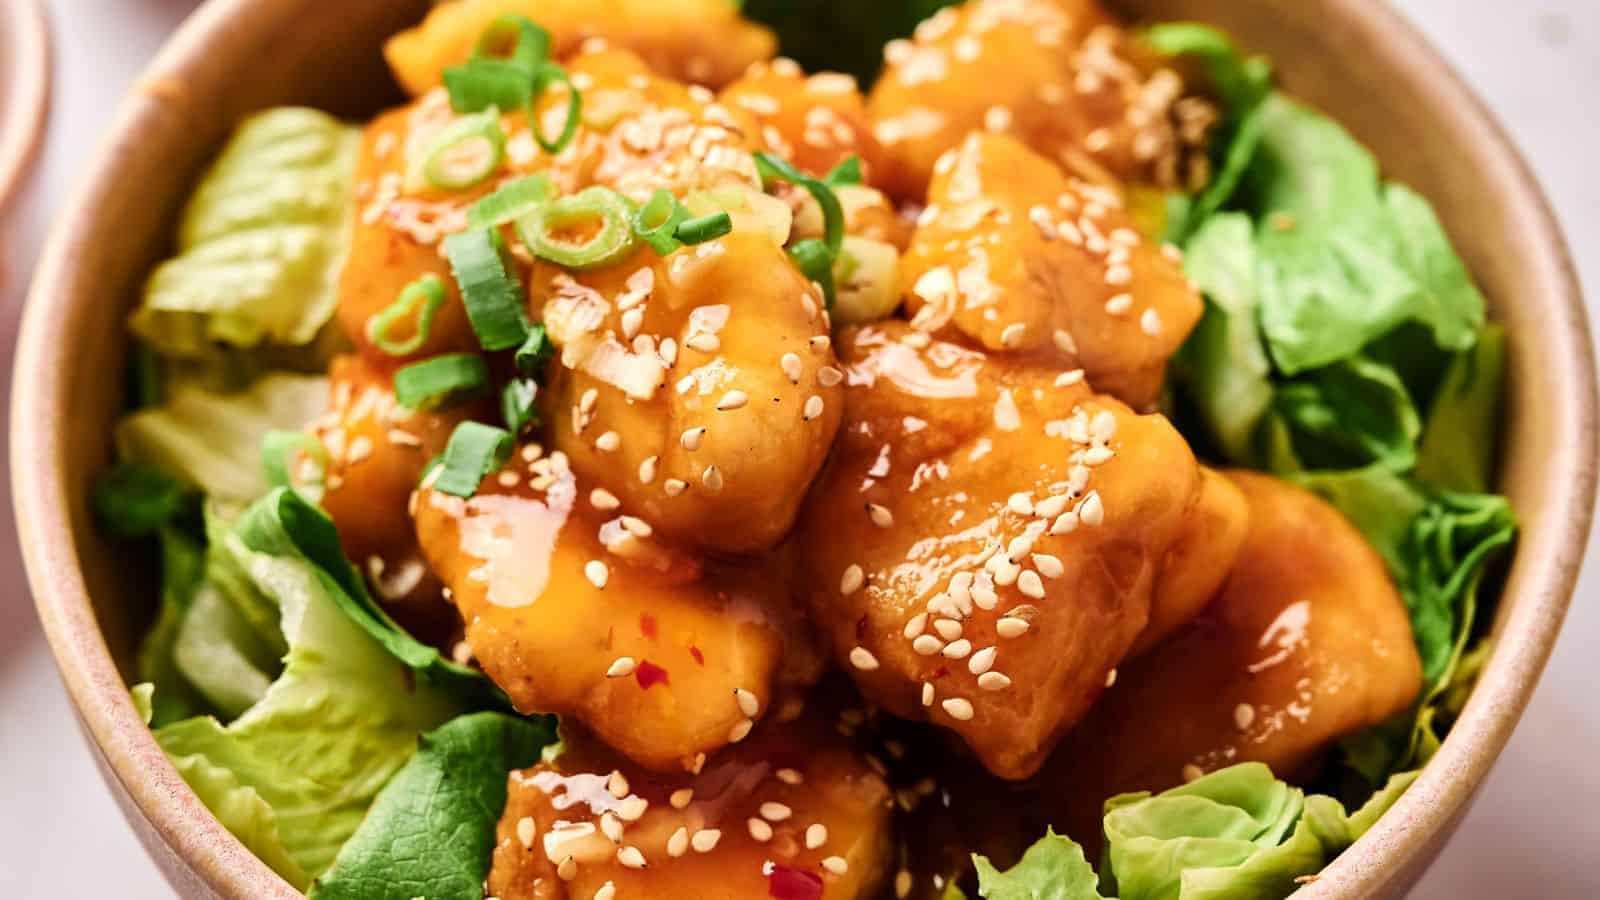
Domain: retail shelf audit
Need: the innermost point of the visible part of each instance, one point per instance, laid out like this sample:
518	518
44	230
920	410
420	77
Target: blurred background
1532	831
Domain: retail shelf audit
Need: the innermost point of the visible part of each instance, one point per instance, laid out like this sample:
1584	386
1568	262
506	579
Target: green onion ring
657	221
511	201
489	287
276	449
475	450
816	263
611	243
776	168
705	228
440	381
532	45
518	406
543	76
534	352
443	173
484	83
418	301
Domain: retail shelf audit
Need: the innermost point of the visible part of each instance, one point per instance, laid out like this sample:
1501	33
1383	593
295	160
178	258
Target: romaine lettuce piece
1054	868
260	242
432	829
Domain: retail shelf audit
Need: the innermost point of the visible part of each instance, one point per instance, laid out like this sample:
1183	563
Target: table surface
1533	823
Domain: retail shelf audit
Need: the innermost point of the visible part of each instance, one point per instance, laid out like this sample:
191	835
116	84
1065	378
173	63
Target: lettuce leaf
841	35
431	831
212	441
1054	868
260	242
342	718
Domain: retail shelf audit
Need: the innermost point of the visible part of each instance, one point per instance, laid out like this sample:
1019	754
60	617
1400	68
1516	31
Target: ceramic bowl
1354	58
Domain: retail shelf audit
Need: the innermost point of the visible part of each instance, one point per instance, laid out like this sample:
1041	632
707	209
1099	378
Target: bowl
1354	58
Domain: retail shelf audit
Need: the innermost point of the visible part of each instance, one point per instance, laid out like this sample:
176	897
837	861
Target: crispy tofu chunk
1014	256
990	538
715	50
700	389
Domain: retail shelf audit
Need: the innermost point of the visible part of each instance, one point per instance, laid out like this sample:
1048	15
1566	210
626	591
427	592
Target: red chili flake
647	626
698	656
861	630
792	884
648	674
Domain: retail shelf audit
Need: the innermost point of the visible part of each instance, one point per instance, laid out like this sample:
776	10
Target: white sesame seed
1119	304
816	835
902	884
791	366
1070	378
851	580
632	320
568	869
1064	342
918	623
617	784
611	827
678	844
959	708
733	400
880	515
1119	276
630	857
836	865
1028	583
828	376
1097	456
740	731
1091	511
775	812
1103	427
596	572
632	809
602	499
705	840
1066	523
1011	335
1048	566
647	469
862	658
1192	772
526	830
982	661
1020	504
681	798
1150	322
608	891
748	703
759	830
927	645
819	343
957	649
1243	716
608	442
692	438
1111	678
949	629
927	693
1011	626
994	681
712	478
813	407
705	343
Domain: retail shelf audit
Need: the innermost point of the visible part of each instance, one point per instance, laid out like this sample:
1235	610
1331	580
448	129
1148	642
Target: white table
1531	833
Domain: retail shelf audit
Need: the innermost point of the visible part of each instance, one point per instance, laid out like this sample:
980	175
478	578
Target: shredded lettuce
260	242
840	35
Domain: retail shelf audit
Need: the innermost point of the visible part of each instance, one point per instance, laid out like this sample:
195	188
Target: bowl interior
1353	58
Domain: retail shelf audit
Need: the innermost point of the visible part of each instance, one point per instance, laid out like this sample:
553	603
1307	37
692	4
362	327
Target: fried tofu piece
703	41
793	812
700	390
376	452
989	539
1308	642
1059	75
1014	256
576	609
1199	562
814	121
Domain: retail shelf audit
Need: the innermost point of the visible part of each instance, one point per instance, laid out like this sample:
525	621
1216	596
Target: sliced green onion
489	289
477	85
705	228
466	152
776	168
417	303
546	74
518	406
278	450
513	200
441	381
611	242
475	450
657	222
134	500
534	352
816	263
531	47
845	173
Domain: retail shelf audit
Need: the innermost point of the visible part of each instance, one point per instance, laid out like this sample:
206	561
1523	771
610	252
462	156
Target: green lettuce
260	242
1054	868
431	831
212	441
841	35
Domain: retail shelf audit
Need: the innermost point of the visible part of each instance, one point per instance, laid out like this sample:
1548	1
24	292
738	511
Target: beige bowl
1355	58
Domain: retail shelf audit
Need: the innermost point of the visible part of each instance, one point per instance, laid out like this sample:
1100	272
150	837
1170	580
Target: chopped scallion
657	221
466	152
475	450
845	173
540	230
522	42
417	303
511	201
816	263
776	168
518	404
440	381
489	289
534	352
705	228
483	83
284	453
547	74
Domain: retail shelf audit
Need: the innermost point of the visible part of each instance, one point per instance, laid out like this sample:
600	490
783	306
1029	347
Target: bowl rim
129	753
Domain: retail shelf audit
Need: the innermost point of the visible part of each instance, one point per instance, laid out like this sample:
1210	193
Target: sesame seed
759	830
596	572
632	809
733	400
1066	523
611	827
1092	511
568	869
647	469
791	366
918	623
749	704
1070	378
678	844
816	836
632	320
602	499
927	693
1011	626
692	438
813	407
608	442
681	798
674	486
862	658
994	681
705	840
1111	678
1150	322
949	629
525	830
630	857
836	865
880	515
775	812
608	891
1119	304
740	731
982	661
705	343
1028	583
1011	335
1096	456
957	649
1020	504
959	708
712	478
617	784
927	645
1243	716
828	376
1103	427
1048	566
902	884
851	580
1191	772
819	343
1119	276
